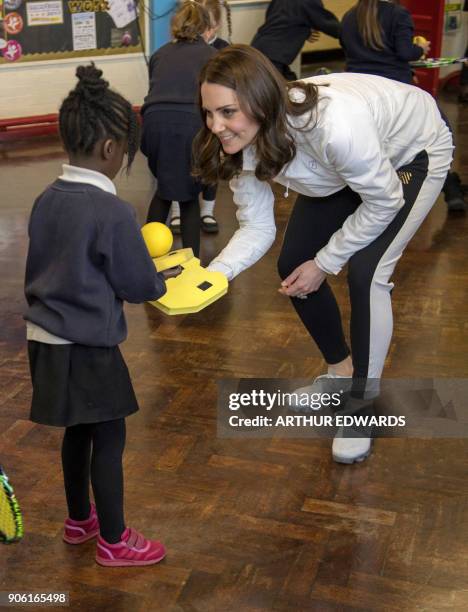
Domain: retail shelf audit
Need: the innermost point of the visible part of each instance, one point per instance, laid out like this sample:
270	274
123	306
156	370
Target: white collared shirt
76	174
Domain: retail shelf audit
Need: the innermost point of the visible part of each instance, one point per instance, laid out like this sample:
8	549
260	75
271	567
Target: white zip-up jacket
364	128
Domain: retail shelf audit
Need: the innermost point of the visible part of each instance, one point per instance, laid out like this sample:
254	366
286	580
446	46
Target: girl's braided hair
227	8
92	112
190	21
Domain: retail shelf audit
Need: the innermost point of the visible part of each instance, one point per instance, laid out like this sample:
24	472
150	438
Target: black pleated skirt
167	143
75	384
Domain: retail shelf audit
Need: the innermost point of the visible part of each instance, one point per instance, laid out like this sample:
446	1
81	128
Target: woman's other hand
305	279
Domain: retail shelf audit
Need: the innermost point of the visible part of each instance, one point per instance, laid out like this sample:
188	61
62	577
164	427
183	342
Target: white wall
247	17
37	88
454	45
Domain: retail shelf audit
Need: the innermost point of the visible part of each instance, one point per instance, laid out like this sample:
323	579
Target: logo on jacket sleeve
405	177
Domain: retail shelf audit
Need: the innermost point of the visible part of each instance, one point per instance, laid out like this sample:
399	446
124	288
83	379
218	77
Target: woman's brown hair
190	21
263	95
367	13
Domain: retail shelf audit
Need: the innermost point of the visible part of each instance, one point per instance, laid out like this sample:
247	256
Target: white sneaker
348	449
322	384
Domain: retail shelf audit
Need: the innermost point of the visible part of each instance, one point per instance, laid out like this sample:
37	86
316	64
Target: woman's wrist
219	266
321	266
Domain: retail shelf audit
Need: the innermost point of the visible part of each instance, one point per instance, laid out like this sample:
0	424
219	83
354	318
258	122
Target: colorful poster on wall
11	5
122	12
84	31
44	13
53	29
13	23
12	51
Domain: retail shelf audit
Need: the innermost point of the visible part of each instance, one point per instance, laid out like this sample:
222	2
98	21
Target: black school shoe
209	224
454	193
174	225
463	97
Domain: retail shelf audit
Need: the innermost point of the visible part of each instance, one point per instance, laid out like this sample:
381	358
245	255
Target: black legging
310	226
464	72
189	219
312	223
96	450
209	192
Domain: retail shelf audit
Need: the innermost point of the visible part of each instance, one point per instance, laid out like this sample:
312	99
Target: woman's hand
305	279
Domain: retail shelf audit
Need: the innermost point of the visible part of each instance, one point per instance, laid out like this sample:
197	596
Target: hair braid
133	136
227	8
87	117
92	112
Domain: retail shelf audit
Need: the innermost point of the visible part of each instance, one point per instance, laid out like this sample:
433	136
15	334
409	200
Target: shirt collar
76	174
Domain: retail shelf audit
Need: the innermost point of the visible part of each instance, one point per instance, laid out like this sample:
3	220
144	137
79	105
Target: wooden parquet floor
250	525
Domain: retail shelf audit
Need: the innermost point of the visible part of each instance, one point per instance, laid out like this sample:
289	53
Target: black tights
96	450
189	219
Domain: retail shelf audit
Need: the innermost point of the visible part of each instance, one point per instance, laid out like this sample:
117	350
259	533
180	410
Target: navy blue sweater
86	255
219	44
397	32
174	70
287	26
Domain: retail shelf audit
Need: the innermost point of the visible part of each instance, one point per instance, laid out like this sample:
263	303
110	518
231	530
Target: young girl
368	157
377	38
86	256
171	118
207	204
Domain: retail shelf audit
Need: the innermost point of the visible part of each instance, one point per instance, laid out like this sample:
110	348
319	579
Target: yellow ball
158	238
419	40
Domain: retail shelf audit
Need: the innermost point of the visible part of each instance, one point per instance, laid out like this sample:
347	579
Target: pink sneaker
76	532
133	549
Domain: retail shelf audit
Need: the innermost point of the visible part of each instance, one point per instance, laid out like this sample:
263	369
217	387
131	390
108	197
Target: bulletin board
33	30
